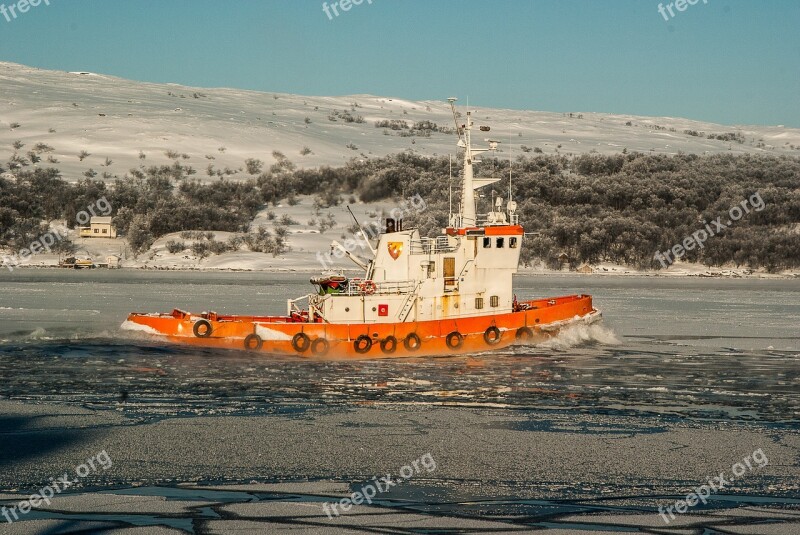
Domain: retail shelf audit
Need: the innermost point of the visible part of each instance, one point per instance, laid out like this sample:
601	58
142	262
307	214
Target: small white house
99	227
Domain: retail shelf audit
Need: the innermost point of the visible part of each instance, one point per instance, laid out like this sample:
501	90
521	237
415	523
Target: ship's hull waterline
532	322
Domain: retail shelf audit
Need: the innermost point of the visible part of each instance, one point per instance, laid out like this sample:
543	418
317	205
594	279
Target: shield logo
395	249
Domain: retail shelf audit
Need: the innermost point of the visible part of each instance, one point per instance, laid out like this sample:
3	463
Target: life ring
320	346
389	344
253	342
202	329
301	342
368	287
524	334
412	342
362	344
454	340
492	335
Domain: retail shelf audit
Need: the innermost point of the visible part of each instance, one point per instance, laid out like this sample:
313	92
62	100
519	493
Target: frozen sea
591	432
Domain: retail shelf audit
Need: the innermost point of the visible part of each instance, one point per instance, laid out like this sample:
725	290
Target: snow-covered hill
124	124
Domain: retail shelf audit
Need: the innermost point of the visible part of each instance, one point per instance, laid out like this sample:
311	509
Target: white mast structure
467	216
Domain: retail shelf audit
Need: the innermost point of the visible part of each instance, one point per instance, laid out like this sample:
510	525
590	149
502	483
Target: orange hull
294	335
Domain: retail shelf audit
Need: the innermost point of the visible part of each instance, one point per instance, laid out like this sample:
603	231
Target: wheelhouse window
512	242
487	243
501	242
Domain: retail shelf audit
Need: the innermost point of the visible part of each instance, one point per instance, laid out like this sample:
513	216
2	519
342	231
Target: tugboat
418	296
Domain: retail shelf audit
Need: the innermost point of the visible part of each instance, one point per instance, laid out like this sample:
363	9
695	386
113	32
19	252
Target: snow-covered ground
117	120
305	240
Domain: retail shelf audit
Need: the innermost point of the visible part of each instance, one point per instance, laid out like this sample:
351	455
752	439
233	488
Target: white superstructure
466	271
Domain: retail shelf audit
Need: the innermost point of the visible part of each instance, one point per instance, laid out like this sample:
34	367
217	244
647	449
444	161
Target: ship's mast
467	216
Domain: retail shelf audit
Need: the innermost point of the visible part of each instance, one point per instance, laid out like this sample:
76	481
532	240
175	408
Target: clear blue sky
728	61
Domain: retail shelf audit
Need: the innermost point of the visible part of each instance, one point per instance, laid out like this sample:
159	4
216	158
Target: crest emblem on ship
417	296
395	249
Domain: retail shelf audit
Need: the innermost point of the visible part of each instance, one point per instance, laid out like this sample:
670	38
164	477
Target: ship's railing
439	244
368	287
497	218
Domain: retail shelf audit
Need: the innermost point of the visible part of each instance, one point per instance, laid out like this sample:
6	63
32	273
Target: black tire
389	345
454	340
202	329
301	342
320	346
362	344
412	342
253	342
524	334
492	335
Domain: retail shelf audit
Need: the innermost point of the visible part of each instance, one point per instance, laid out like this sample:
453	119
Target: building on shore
99	227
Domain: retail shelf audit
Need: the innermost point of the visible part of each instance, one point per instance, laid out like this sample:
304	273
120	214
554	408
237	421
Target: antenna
450	187
512	205
509	179
366	236
452	101
510	163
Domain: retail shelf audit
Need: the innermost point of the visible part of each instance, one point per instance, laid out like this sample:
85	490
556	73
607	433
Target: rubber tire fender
248	342
301	342
412	342
389	345
492	335
454	340
206	325
524	334
362	339
320	346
